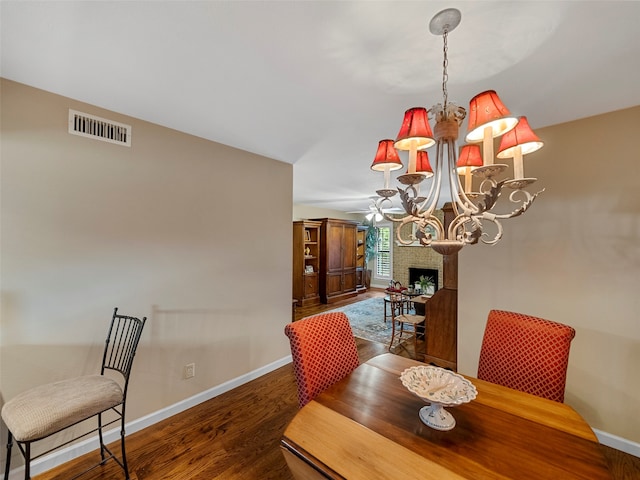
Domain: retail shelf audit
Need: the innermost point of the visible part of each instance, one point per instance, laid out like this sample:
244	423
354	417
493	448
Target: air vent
98	128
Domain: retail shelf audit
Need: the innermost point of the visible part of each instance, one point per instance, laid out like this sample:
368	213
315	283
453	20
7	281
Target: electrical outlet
189	370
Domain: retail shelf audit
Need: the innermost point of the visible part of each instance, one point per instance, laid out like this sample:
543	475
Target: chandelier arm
421	234
380	202
490	196
526	203
430	199
461	231
487	184
493	219
426	237
466	203
454	187
390	218
404	221
379	207
473	229
434	190
409	198
402	241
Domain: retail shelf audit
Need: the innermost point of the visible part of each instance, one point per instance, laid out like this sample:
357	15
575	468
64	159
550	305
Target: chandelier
474	216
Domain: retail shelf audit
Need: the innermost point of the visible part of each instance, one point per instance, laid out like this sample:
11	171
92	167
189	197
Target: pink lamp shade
422	164
486	109
522	136
386	158
470	156
469	159
415	130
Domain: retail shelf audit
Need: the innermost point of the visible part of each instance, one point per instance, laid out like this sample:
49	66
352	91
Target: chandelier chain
445	75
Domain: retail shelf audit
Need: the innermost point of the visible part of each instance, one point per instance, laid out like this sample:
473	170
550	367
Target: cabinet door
334	284
349	243
310	286
349	281
334	249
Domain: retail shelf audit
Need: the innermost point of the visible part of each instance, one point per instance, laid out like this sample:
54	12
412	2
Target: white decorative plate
440	388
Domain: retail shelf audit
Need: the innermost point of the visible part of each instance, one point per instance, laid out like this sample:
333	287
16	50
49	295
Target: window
384	257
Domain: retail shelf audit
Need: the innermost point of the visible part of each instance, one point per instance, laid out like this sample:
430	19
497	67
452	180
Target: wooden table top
367	427
421	298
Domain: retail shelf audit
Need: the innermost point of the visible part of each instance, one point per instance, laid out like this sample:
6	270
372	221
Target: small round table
403	293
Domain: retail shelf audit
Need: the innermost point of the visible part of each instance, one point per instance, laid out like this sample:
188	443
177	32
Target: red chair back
526	353
323	350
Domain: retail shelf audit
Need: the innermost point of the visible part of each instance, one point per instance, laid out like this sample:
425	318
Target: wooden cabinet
337	259
361	268
306	262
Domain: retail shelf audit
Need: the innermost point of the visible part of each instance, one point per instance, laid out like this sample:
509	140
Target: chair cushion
47	409
412	319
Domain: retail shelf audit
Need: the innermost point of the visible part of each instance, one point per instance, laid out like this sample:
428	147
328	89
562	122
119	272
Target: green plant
370	241
426	282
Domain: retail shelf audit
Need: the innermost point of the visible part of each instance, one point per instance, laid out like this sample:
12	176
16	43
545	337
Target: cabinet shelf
306	248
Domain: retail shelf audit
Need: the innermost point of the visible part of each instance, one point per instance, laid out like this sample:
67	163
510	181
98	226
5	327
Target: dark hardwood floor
236	435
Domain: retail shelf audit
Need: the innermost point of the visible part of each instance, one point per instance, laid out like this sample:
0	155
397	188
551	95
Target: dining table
367	426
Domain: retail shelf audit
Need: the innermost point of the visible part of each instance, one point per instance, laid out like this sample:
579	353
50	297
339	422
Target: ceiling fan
375	213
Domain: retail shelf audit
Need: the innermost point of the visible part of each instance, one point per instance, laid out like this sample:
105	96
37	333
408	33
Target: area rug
367	320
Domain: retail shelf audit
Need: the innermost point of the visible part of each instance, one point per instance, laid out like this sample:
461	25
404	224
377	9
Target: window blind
383	257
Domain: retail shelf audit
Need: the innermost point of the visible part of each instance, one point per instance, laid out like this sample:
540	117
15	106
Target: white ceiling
318	83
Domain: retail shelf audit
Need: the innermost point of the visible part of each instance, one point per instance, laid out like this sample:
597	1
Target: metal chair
526	353
324	351
42	411
389	306
391	300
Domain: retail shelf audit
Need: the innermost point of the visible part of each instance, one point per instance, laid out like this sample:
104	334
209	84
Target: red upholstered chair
526	353
323	350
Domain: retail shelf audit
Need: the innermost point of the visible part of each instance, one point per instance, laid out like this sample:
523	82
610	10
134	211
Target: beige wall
574	257
88	225
158	230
